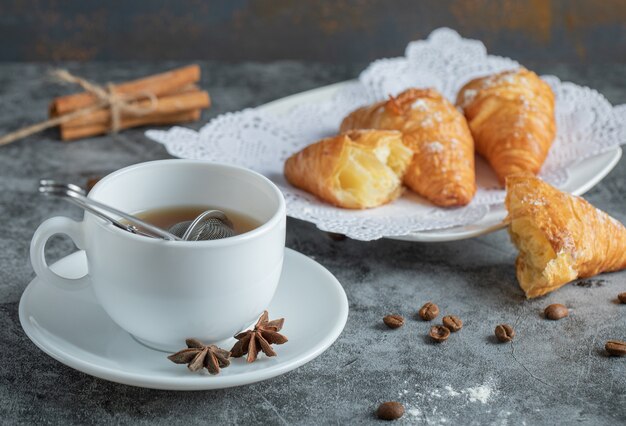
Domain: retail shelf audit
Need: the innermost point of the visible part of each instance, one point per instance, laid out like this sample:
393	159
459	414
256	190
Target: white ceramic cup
161	291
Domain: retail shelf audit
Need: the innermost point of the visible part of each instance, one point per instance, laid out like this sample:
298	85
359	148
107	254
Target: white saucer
72	328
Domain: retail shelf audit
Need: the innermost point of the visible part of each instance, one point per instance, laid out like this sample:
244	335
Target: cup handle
53	226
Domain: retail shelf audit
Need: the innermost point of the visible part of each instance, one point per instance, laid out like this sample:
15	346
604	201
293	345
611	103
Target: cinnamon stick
190	99
157	85
72	133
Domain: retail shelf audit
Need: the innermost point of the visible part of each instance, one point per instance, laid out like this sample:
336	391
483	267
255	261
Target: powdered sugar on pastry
427	122
434	146
468	97
420	105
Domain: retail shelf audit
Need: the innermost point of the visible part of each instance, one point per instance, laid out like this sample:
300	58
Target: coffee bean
615	347
429	311
394	321
390	410
452	323
504	333
556	311
622	297
439	333
335	236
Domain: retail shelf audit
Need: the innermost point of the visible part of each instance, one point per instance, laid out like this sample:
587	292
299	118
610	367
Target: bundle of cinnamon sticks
167	98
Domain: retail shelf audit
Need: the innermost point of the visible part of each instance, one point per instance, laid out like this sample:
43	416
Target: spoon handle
101	215
136	225
134	221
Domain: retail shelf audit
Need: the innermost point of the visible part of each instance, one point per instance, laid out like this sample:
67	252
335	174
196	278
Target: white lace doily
587	125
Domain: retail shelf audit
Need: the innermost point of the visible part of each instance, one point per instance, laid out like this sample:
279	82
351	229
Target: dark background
343	31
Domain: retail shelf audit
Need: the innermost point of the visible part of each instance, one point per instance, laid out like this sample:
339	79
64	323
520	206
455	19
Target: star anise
198	355
261	338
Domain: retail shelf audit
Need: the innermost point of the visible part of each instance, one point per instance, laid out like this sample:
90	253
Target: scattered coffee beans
622	297
429	311
394	321
390	410
439	333
452	323
615	347
556	311
504	333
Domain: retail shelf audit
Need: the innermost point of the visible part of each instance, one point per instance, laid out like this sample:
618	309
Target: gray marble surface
553	373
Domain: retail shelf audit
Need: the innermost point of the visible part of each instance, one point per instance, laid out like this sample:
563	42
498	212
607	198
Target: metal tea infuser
210	225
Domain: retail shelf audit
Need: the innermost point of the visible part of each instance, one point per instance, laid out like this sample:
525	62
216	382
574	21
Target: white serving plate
582	176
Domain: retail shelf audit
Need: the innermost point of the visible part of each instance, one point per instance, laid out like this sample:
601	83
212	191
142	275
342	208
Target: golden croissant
511	116
355	170
442	169
560	237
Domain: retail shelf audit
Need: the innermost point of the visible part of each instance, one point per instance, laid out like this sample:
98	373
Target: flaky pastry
355	170
560	237
442	169
511	116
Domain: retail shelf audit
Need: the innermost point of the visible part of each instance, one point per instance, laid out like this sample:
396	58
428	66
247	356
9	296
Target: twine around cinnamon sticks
167	98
